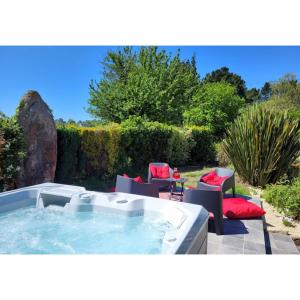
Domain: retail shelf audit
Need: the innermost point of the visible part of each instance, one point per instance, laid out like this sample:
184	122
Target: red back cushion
239	208
213	179
159	172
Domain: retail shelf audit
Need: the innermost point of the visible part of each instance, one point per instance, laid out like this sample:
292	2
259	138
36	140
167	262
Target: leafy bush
12	151
215	105
203	149
222	158
68	145
112	148
86	151
144	142
285	198
262	144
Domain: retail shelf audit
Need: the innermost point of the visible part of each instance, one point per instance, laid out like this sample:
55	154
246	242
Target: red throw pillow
138	179
239	208
159	172
213	179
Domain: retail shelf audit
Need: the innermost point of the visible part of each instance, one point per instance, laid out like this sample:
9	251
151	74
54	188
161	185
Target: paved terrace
246	236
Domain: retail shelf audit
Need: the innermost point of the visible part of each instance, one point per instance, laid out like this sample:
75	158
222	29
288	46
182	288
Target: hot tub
61	219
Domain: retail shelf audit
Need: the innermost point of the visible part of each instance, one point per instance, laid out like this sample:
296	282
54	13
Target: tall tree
149	83
288	88
223	74
266	91
252	95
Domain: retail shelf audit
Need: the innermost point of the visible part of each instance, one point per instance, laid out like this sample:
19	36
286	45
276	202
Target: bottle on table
176	174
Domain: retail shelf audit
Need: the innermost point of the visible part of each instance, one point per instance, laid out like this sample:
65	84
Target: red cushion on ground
138	179
159	172
239	208
213	179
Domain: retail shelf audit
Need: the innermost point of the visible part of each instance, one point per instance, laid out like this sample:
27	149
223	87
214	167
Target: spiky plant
262	144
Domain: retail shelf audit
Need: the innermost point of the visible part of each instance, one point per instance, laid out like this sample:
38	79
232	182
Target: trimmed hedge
109	149
204	148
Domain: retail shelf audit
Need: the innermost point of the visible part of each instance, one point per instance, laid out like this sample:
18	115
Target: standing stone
36	120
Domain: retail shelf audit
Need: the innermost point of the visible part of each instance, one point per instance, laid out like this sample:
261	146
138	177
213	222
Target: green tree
215	105
252	95
223	74
266	91
2	115
149	83
288	88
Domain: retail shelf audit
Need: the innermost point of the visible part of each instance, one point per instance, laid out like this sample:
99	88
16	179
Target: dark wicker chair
128	185
229	183
211	200
160	183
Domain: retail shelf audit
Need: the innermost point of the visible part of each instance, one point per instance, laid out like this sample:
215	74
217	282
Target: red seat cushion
239	208
212	178
160	172
136	179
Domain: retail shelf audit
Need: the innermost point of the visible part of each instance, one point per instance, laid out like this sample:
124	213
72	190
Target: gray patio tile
256	236
290	246
281	237
213	248
230	250
232	241
254	223
258	248
283	251
212	237
247	251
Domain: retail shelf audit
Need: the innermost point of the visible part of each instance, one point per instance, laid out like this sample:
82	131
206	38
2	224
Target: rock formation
37	123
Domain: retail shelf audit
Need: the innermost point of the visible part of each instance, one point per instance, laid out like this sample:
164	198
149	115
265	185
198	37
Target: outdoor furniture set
210	192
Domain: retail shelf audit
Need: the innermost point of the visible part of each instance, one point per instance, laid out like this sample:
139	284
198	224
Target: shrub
12	151
86	151
105	150
144	142
203	149
262	144
68	145
285	198
222	158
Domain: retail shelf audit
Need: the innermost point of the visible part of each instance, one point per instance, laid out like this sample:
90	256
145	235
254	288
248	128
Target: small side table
175	180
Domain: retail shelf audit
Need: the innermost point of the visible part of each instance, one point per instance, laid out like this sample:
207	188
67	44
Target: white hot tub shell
190	222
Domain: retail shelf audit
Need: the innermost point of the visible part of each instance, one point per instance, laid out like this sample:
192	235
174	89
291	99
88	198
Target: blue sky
61	74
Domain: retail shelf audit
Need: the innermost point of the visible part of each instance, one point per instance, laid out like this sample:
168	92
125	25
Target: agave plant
262	144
